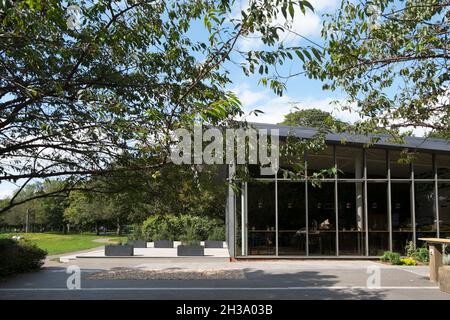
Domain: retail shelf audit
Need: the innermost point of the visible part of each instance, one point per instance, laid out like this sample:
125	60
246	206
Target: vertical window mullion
389	198
306	203
336	203
276	213
366	222
436	196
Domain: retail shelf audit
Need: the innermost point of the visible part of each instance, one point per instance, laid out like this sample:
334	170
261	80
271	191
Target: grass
57	243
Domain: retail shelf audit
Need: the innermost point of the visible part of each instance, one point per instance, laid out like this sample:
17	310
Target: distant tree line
111	202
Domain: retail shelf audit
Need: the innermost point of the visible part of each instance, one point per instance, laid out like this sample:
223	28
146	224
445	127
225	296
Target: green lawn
57	243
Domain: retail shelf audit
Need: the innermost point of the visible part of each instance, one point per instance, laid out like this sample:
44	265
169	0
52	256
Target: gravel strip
168	274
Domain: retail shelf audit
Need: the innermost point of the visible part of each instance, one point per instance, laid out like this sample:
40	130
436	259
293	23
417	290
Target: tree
392	59
315	118
85	210
46	212
83	83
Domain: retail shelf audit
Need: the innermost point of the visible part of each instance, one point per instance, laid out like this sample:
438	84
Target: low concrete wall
444	278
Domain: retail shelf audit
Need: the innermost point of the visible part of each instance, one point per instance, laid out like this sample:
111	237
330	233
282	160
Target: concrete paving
325	279
149	252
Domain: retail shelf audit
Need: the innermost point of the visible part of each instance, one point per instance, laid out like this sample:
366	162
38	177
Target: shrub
217	233
419	254
410	249
422	255
156	226
170	227
137	233
19	256
408	262
391	257
190	237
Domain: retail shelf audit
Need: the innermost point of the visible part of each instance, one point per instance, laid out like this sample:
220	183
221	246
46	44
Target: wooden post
435	261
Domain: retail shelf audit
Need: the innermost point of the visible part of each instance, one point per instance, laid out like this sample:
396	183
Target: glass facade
377	201
291	219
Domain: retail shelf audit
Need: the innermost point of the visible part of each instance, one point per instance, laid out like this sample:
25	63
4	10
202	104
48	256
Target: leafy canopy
76	97
392	59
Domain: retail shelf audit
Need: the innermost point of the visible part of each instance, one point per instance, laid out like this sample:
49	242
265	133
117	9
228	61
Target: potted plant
163	238
190	246
119	250
215	238
137	239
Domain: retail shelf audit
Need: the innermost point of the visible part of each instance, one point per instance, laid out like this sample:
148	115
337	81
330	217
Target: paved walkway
149	252
263	280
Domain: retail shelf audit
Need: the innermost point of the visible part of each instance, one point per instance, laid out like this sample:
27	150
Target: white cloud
247	96
275	108
249	43
308	25
7	189
323	5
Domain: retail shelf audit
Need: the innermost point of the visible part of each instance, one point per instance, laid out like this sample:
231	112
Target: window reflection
377	218
291	218
321	219
261	218
351	219
349	162
402	229
425	211
400	167
444	209
376	164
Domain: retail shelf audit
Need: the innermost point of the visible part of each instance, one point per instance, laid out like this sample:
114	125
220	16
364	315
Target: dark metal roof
419	143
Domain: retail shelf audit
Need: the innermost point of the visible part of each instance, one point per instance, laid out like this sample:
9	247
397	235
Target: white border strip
227	288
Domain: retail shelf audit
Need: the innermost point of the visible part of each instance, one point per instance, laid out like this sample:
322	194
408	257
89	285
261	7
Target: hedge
171	227
18	256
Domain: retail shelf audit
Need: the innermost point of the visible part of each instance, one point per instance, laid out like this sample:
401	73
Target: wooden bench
435	245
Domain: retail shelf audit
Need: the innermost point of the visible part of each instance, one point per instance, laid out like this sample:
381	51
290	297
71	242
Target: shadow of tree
306	284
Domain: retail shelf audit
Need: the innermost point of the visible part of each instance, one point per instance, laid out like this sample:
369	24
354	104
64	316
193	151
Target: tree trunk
119	228
97	231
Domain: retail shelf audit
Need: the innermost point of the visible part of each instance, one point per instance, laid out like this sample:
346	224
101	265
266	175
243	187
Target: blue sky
301	91
304	92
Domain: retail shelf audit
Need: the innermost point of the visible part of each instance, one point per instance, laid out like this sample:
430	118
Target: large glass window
238	221
351	219
400	165
261	218
443	166
377	218
319	161
444	209
291	218
349	162
321	219
255	231
425	210
376	163
423	166
402	228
